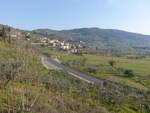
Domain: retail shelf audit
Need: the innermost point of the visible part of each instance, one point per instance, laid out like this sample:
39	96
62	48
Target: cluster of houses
70	47
54	43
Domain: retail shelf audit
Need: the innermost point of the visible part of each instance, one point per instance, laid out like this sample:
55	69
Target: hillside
101	38
26	86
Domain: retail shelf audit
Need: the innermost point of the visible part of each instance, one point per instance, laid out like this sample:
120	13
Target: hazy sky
130	15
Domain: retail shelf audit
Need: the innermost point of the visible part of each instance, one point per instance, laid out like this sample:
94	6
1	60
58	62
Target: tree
9	37
4	34
112	63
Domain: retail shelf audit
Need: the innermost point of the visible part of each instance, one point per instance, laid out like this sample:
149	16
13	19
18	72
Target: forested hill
100	37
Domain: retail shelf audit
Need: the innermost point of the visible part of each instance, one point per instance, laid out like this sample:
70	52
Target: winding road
50	63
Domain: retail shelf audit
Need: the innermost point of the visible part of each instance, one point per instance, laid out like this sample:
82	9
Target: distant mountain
95	37
102	38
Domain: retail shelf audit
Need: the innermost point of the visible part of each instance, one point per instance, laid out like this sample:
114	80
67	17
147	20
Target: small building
62	43
54	44
65	47
74	50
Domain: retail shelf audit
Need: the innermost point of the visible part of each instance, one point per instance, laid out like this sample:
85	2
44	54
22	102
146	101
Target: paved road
53	64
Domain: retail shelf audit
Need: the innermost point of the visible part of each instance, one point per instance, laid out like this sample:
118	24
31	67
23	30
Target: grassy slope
10	53
107	72
32	86
56	92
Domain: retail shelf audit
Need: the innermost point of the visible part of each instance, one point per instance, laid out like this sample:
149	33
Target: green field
99	63
139	66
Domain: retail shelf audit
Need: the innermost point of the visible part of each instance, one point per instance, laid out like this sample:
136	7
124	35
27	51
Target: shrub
10	70
129	73
91	70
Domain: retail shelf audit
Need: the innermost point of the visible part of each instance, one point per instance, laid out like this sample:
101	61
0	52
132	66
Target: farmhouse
65	47
73	50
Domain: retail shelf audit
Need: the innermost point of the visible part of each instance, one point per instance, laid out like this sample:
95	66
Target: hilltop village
62	45
14	34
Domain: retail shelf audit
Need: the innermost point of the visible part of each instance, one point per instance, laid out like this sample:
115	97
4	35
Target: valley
65	82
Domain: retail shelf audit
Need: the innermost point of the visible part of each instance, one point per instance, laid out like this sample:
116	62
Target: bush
91	70
9	70
129	73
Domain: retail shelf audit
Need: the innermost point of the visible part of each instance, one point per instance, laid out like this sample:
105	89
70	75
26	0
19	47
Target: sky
129	15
